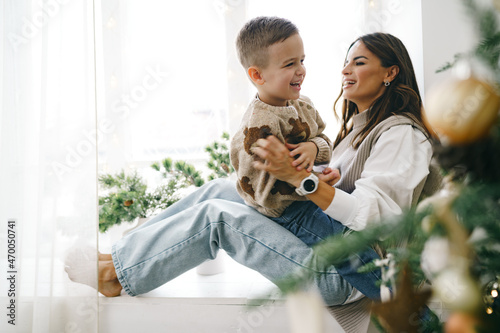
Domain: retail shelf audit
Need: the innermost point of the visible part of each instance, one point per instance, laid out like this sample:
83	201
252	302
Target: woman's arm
398	162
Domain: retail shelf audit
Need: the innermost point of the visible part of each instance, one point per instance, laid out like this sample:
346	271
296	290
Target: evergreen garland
219	161
127	196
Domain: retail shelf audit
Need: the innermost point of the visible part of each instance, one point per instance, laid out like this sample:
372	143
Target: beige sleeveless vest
353	160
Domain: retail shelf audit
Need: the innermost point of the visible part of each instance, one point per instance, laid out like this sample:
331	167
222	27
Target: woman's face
363	76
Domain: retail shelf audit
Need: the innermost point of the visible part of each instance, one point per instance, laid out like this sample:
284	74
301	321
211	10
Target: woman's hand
278	161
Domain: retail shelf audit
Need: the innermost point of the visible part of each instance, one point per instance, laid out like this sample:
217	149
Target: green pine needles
487	50
127	196
219	161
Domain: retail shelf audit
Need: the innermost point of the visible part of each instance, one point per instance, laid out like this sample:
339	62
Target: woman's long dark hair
401	97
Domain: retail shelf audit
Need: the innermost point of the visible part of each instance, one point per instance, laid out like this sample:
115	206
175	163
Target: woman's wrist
297	180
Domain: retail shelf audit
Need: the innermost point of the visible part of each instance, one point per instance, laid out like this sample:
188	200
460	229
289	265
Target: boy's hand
307	152
330	176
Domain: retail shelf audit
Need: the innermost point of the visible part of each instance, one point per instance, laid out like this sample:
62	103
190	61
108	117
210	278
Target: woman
383	159
382	151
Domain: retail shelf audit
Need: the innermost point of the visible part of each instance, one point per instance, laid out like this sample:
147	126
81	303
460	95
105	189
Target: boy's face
283	76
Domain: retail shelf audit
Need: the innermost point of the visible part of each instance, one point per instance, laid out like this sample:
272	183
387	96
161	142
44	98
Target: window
172	82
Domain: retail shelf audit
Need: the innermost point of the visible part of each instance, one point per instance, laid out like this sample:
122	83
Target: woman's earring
387	83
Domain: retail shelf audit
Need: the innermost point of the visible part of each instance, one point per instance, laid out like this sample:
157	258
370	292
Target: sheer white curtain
47	164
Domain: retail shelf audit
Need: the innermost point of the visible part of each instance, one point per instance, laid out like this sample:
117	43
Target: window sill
203	303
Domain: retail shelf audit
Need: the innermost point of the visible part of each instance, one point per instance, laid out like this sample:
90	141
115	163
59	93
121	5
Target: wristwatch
308	185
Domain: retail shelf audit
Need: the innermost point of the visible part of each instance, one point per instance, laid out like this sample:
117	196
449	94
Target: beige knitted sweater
297	122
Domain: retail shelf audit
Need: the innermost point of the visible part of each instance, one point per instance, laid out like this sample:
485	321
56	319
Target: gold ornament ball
456	288
463	111
460	322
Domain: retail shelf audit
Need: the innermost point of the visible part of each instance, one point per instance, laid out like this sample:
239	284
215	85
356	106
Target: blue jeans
309	223
214	217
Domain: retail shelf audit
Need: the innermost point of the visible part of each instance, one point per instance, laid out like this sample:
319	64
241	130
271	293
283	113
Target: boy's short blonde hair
257	35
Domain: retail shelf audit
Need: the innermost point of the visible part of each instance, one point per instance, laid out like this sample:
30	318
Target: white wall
446	31
404	20
433	31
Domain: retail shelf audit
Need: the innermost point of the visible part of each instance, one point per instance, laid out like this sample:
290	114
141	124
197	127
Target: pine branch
488	47
448	65
219	160
190	173
128	196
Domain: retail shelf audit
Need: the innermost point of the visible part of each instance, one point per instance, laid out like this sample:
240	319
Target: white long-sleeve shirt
397	163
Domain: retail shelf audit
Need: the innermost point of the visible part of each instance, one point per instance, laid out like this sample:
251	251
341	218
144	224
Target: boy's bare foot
105	256
109	285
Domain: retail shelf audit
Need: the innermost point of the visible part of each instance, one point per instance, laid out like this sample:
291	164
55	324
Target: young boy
271	51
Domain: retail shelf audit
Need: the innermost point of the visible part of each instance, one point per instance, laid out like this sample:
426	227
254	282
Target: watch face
309	185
